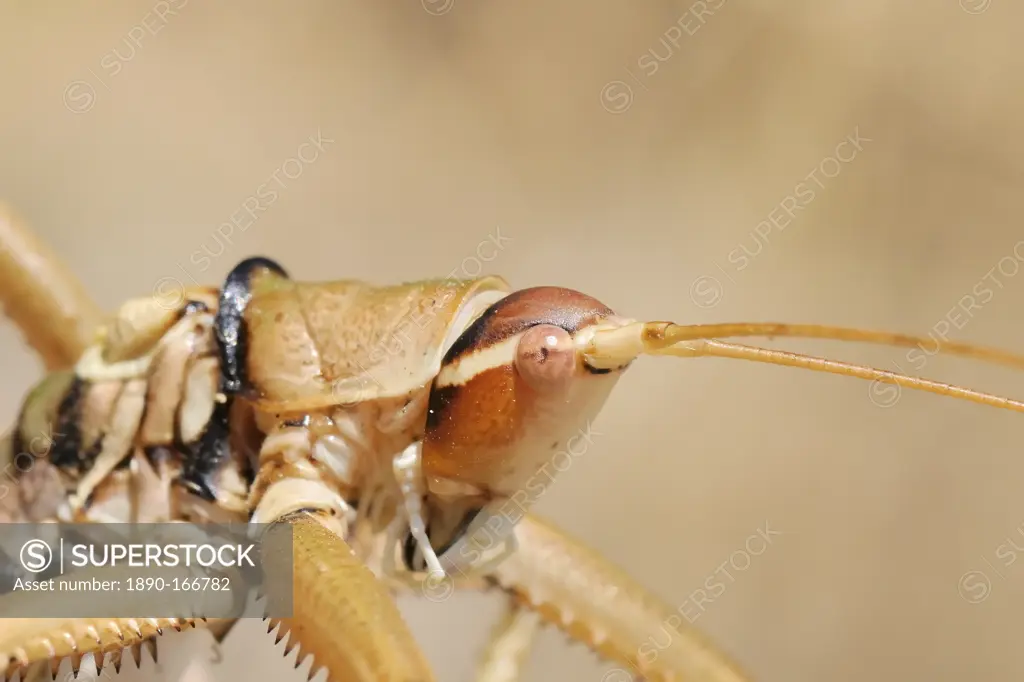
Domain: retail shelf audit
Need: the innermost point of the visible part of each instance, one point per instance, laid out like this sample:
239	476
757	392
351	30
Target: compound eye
546	357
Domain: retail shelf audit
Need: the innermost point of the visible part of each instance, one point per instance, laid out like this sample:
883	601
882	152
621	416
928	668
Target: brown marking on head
565	308
468	423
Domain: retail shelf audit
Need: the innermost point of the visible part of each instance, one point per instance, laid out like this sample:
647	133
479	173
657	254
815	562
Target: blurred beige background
634	180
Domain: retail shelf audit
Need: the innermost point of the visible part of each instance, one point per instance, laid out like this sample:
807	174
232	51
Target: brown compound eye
546	357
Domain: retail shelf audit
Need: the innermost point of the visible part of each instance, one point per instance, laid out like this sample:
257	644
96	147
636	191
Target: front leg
342	614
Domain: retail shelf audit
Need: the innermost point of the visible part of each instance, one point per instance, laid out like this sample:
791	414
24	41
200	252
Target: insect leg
575	589
342	614
89	666
509	648
25	642
38	647
41	296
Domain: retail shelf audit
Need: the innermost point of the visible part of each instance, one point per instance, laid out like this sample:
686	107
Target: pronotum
391	425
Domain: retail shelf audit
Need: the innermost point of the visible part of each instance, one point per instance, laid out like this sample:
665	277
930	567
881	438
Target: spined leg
28	642
575	589
86	668
42	297
106	640
342	614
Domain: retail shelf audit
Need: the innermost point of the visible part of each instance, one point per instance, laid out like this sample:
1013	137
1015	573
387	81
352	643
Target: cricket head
517	391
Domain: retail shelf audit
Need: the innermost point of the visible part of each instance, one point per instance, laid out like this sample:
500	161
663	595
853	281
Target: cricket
269	399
